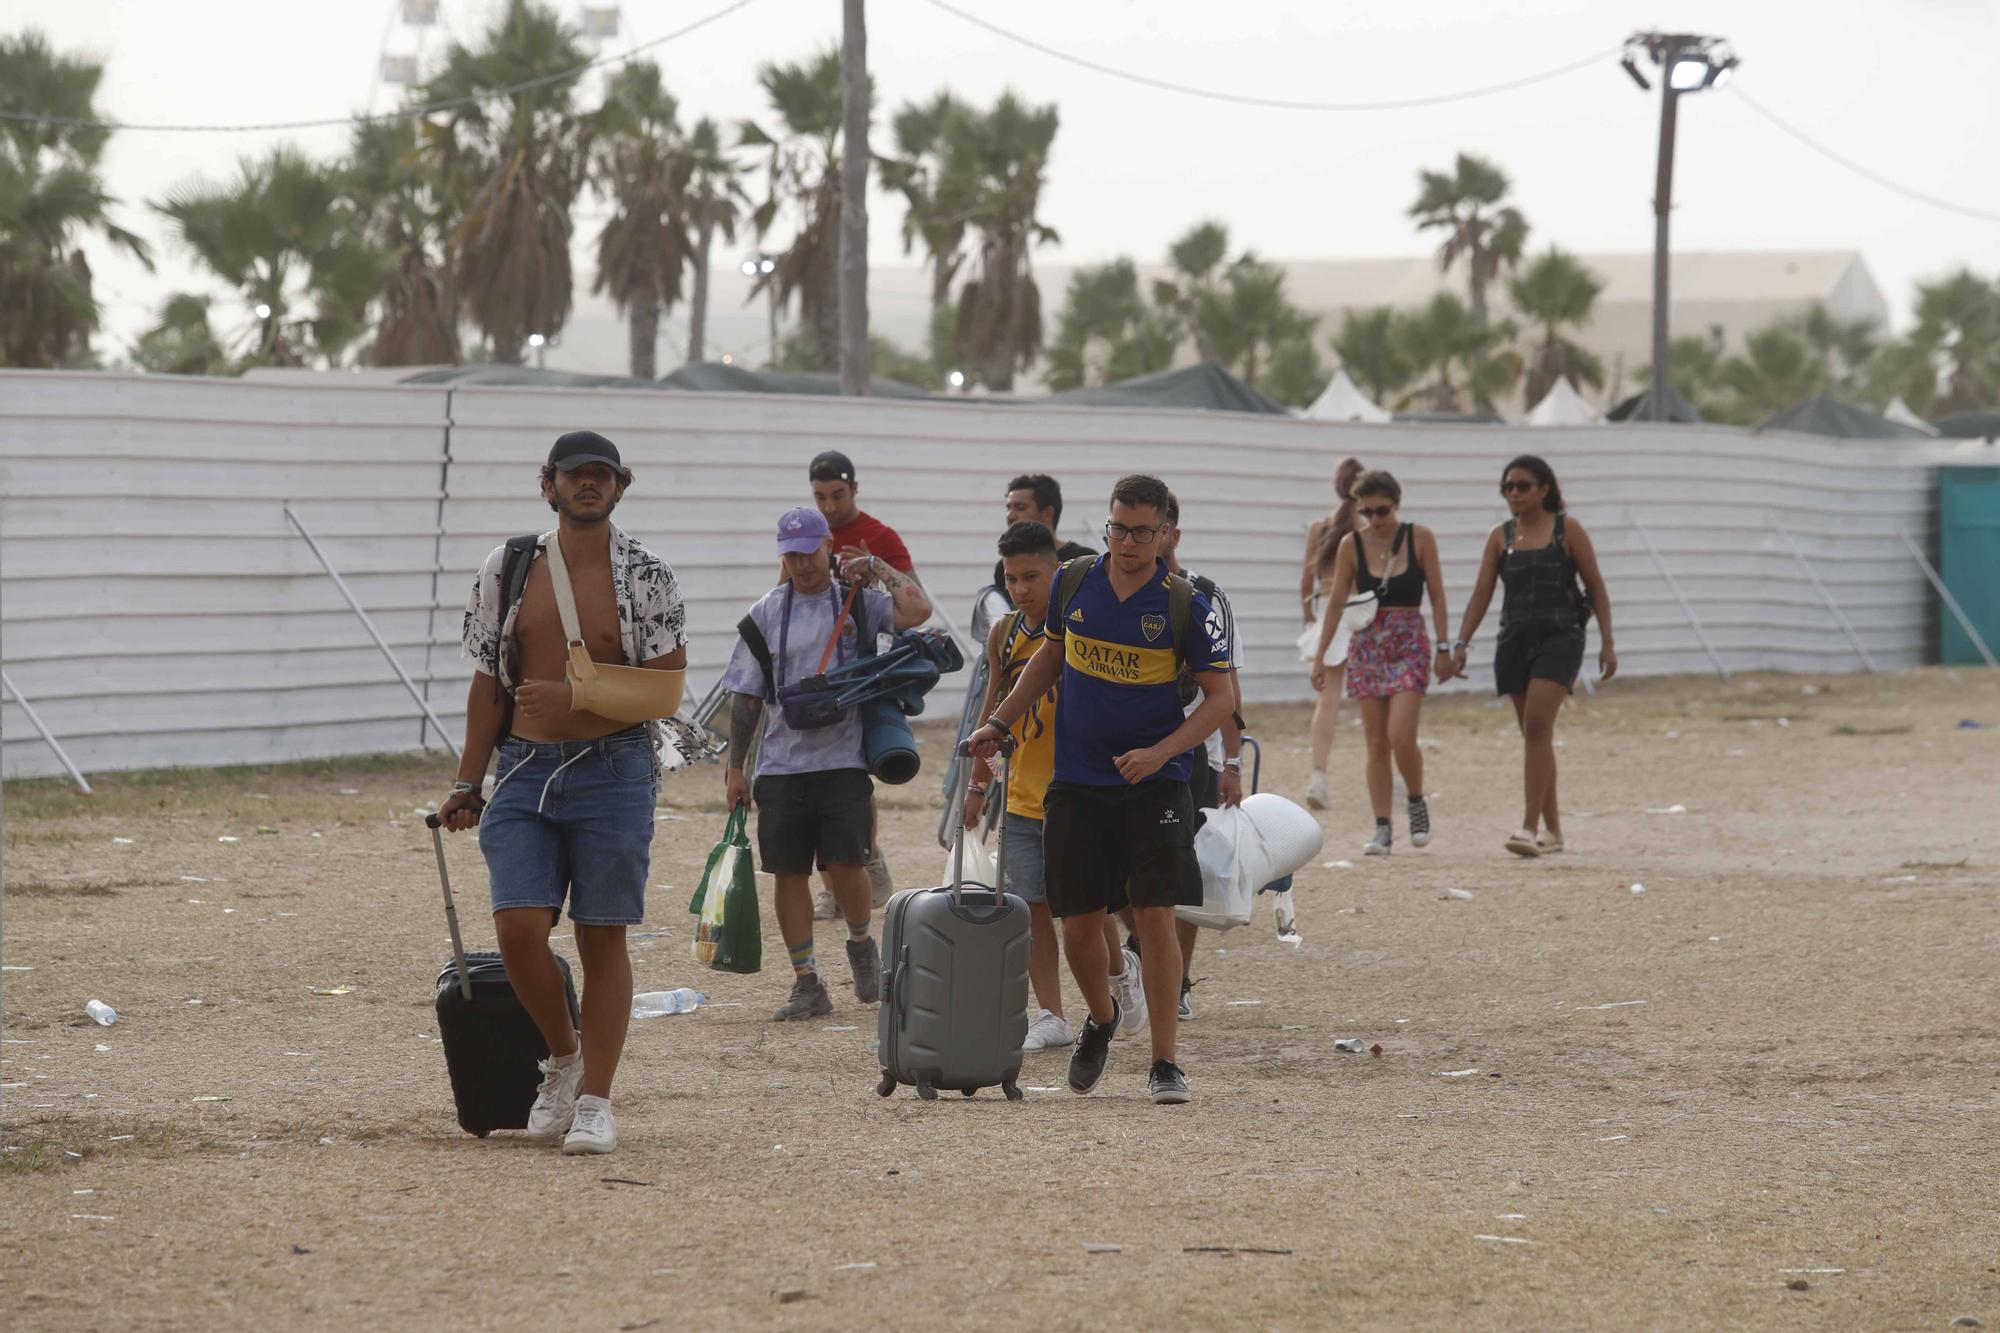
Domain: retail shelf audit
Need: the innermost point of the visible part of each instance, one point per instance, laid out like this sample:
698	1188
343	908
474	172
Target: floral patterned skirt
1391	656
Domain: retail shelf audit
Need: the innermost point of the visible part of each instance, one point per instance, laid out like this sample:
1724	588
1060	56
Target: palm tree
1106	332
804	174
638	160
183	342
1846	344
715	199
932	172
282	236
401	213
1370	350
1468	207
1777	368
514	168
1250	316
1459	352
1000	308
1694	369
1959	318
1556	292
49	193
1295	375
1901	368
1196	258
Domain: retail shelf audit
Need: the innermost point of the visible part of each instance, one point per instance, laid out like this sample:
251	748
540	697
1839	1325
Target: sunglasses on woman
1374	511
1517	487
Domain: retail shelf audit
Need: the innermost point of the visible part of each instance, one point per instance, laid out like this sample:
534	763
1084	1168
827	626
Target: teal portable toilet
1969	559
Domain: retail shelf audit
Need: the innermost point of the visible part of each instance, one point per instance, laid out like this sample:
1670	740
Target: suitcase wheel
927	1092
968	1091
1012	1090
886	1086
481	1133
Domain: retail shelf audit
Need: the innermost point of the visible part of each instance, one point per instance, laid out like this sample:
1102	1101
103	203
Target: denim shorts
573	819
1024	858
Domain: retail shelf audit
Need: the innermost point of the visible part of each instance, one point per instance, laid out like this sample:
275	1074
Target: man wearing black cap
858	539
571	814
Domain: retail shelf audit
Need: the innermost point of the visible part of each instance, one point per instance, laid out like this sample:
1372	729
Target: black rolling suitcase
491	1046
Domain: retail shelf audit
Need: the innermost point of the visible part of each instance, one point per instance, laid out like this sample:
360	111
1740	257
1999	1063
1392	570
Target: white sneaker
824	907
1047	1032
1379	844
1316	795
555	1099
594	1131
1129	990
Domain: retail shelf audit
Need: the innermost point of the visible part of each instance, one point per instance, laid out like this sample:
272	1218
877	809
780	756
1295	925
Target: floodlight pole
1663	203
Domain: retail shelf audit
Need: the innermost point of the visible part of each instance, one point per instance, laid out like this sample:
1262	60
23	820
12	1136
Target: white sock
1319	775
604	1102
565	1061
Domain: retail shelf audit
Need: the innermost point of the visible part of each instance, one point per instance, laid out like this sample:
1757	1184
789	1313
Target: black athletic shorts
1537	652
807	818
1104	848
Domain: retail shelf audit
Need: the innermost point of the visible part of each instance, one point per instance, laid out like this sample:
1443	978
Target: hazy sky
1902	86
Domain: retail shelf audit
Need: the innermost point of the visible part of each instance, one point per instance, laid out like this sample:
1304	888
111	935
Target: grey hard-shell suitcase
955	977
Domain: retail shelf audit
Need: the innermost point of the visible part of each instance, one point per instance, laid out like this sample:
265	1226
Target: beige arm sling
622	693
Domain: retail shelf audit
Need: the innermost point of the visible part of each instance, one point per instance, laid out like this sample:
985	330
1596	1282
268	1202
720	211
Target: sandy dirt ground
1765	1091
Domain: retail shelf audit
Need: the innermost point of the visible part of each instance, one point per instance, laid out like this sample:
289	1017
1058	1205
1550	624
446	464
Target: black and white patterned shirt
652	621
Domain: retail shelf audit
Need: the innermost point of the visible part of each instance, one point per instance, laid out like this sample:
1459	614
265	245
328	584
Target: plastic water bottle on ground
102	1012
659	1003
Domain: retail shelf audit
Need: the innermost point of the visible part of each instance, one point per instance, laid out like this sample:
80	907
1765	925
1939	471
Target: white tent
1563	406
1341	401
1899	412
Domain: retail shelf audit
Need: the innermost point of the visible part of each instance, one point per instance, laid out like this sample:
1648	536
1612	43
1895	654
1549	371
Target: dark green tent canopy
1823	414
709	375
1639	407
1970	426
1206	386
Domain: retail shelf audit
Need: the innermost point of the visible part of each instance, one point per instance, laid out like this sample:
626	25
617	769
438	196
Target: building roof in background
1970	426
1204	385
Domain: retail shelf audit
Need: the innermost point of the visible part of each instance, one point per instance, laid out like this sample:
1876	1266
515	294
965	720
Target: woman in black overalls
1539	555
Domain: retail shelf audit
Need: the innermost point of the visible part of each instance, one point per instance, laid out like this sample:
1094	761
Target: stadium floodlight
766	264
1688	63
262	311
749	267
537	340
956	379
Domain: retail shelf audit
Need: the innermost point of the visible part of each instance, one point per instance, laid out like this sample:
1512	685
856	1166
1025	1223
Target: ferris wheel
416	33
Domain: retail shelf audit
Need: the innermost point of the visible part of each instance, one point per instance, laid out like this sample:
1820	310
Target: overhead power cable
405	113
1275	103
1855	167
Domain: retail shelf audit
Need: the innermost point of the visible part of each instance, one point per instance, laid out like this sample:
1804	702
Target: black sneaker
1187	1001
864	960
1086	1063
1167	1084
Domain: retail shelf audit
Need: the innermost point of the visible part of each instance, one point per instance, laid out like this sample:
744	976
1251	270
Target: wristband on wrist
1234	763
457	788
976	787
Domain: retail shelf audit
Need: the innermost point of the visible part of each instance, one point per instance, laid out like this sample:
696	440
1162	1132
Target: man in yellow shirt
1028	556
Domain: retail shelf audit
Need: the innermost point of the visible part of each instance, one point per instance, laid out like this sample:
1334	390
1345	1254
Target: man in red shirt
856	537
855	534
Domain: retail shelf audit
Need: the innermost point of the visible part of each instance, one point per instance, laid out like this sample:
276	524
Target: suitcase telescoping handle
450	909
964	780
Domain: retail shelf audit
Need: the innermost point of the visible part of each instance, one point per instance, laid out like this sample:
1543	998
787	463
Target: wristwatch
1234	762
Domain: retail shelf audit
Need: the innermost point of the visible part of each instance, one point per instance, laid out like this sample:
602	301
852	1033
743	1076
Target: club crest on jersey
1152	627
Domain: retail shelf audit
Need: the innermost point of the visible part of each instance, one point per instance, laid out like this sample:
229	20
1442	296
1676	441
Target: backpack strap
1180	610
1068	581
514	567
760	650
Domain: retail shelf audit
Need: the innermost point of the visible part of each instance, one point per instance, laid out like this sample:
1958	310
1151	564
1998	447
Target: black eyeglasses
1517	487
1118	532
1375	511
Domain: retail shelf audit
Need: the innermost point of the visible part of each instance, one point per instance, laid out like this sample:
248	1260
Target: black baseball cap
579	447
832	465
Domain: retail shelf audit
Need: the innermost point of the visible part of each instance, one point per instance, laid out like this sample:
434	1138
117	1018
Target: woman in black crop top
1538	555
1389	660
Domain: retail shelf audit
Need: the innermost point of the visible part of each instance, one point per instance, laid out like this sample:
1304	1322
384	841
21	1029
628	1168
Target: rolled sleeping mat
1290	834
887	742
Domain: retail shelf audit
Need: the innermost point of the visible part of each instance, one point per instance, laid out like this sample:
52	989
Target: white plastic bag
1228	850
982	859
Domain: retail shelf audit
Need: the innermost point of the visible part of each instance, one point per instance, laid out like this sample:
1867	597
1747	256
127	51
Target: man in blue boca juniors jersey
1118	824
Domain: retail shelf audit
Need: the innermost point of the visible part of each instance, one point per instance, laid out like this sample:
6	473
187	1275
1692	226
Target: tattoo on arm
744	710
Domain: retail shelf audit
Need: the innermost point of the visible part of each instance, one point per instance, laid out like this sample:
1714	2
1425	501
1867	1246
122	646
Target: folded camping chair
914	663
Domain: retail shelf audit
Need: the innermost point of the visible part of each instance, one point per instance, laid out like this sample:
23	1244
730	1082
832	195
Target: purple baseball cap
801	530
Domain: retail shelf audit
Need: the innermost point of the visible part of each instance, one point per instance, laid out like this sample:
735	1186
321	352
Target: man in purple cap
813	795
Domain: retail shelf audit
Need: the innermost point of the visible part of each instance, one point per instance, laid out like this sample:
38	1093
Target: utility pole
1688	64
854	199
